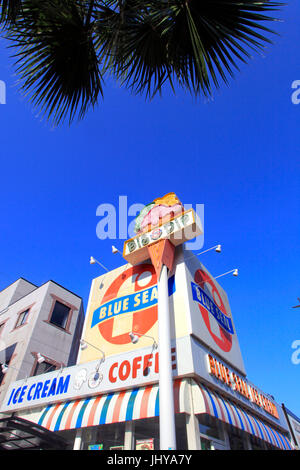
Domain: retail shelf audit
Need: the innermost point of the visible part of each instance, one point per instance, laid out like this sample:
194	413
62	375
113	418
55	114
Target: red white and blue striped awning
115	407
212	403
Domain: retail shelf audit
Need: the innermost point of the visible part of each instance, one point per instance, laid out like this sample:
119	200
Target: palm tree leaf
9	11
56	58
64	48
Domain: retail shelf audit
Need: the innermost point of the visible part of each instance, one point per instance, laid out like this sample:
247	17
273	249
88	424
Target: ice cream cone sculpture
160	226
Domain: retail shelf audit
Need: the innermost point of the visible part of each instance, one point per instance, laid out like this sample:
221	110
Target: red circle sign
142	320
225	340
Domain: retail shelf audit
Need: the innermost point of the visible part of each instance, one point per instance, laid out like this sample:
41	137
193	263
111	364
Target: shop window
6	354
209	427
256	444
22	318
60	315
236	441
105	437
205	444
146	431
181	437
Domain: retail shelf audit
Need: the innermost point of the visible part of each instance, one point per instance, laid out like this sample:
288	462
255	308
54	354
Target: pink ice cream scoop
160	212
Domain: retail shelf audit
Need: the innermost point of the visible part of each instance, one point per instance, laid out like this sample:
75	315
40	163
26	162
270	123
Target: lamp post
156	239
94	261
217	248
166	397
235	272
84	344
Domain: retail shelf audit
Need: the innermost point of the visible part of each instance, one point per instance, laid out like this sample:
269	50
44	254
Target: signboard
130	370
144	444
125	371
95	447
209	312
222	377
163	223
124	301
240	384
178	230
294	424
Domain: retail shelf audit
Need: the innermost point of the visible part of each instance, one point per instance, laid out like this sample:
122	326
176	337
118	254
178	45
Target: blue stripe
259	428
266	429
105	408
81	412
213	403
224	403
281	439
249	421
58	421
156	410
130	405
171	285
238	416
275	437
286	441
44	414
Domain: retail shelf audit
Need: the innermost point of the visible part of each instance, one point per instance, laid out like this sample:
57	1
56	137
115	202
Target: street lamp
136	336
40	359
235	272
94	260
84	344
115	250
217	248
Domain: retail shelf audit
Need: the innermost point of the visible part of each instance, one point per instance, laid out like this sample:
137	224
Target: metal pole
166	397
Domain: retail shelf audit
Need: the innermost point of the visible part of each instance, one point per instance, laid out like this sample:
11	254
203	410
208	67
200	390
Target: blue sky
237	154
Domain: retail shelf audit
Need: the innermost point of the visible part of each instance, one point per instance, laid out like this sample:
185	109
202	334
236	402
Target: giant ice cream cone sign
160	227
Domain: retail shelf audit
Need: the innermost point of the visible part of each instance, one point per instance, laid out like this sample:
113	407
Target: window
209	427
256	444
22	318
205	444
60	315
43	368
106	437
6	355
236	441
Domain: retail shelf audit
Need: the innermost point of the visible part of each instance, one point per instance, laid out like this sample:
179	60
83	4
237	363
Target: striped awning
212	403
115	407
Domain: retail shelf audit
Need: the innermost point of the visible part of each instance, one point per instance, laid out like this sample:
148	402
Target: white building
109	400
37	322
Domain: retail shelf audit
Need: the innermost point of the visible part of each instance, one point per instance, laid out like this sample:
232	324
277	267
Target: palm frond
9	11
64	48
56	58
196	43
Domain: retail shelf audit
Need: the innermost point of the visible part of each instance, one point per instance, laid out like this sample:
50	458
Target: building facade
40	329
110	398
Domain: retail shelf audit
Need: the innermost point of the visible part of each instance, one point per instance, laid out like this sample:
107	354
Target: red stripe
203	392
145	401
176	388
48	424
93	411
117	408
74	406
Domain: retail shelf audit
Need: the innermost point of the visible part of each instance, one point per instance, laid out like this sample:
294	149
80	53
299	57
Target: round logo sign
224	341
141	304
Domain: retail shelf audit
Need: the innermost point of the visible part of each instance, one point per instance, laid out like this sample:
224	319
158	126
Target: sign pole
161	226
166	397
